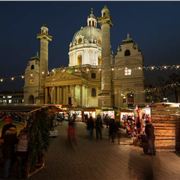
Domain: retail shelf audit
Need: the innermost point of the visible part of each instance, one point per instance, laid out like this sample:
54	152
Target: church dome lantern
91	20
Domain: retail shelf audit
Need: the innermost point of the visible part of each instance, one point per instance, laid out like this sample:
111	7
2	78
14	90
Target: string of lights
86	69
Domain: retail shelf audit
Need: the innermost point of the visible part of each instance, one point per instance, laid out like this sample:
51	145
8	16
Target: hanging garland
38	130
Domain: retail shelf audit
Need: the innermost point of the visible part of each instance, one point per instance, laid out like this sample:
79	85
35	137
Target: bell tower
105	97
44	38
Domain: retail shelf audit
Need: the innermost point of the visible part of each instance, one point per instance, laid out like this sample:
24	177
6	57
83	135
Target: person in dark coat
113	128
149	130
9	137
98	126
90	126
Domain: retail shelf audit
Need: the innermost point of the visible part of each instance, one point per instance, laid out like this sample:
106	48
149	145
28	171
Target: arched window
93	92
32	67
79	60
93	75
93	23
130	98
79	40
127	53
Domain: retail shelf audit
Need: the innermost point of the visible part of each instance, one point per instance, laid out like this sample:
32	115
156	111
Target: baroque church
94	76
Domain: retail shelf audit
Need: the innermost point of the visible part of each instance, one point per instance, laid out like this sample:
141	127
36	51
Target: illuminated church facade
94	76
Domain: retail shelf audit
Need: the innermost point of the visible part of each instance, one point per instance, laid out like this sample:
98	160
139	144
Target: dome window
79	60
79	40
127	53
32	67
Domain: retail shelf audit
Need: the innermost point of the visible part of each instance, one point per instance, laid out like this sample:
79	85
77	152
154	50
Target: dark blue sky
155	26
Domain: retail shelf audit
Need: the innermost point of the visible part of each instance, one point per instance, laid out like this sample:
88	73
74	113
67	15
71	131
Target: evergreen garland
38	127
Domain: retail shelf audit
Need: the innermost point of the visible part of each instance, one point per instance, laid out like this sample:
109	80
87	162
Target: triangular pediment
58	76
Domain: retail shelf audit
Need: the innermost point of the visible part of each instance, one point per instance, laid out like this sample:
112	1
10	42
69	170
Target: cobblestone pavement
101	160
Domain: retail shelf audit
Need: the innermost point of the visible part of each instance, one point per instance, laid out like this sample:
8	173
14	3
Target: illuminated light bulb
139	68
31	75
112	69
12	78
42	72
22	77
53	70
152	67
177	67
1	80
100	69
165	67
87	69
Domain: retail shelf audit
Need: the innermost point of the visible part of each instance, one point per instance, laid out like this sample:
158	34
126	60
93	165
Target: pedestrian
71	129
149	130
9	140
22	152
112	130
98	126
118	133
90	126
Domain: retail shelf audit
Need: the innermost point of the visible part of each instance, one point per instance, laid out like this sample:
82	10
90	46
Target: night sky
155	26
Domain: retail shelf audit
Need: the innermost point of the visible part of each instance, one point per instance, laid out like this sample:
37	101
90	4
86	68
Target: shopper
9	139
149	130
90	126
98	126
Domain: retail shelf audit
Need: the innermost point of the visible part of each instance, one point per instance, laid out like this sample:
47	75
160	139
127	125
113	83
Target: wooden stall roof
18	108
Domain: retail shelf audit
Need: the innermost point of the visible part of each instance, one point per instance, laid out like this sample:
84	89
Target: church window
79	60
127	53
93	23
93	75
32	67
130	98
127	72
93	92
79	40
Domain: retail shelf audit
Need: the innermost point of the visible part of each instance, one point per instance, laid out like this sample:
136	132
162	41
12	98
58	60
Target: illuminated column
73	95
105	97
67	94
46	95
63	95
57	95
60	95
81	95
44	38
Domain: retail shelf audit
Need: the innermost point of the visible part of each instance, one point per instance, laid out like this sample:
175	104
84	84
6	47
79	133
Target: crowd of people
15	145
98	123
140	129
